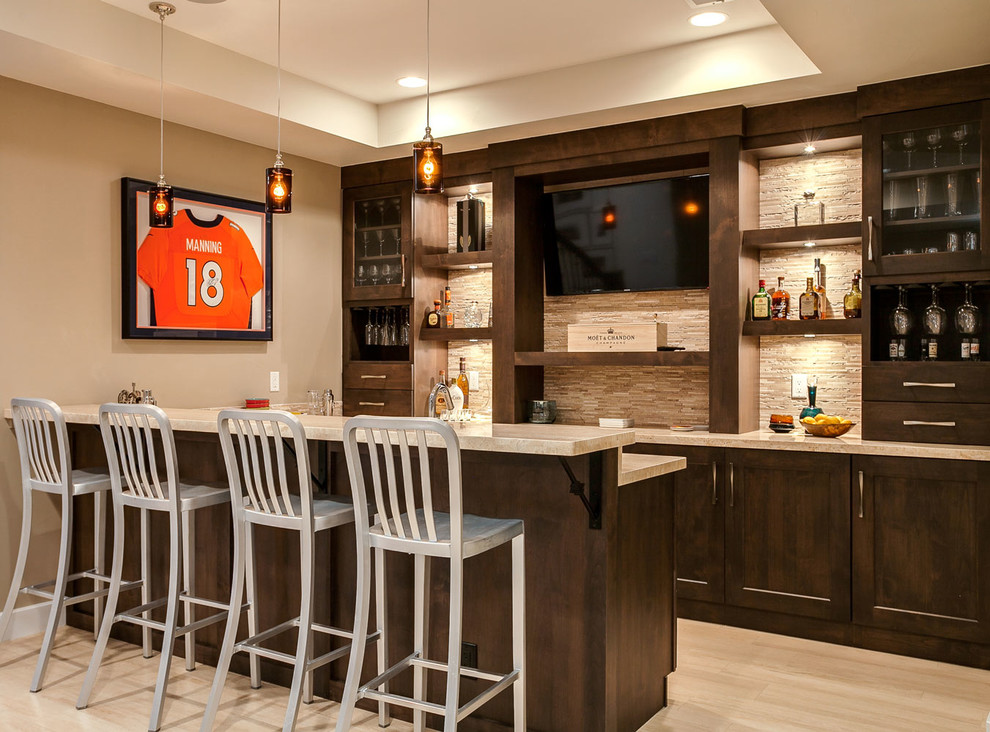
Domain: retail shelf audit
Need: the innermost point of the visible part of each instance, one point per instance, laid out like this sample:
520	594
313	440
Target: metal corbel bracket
593	500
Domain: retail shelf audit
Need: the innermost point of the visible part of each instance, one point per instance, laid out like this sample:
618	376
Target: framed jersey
207	277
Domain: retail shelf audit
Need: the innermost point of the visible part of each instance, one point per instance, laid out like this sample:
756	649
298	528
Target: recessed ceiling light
411	82
708	19
208	2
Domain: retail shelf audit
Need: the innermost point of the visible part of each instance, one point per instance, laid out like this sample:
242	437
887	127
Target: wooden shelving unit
459	260
831	326
792	237
455	334
608	358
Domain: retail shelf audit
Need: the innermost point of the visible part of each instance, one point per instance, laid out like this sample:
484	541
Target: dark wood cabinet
787	532
921	546
378	239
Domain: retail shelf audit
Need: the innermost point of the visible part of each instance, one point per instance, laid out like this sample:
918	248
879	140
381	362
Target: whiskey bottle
433	318
780	301
441	400
462	382
820	289
448	310
808	302
761	303
852	303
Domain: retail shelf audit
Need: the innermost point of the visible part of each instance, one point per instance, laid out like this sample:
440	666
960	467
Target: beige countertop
799	441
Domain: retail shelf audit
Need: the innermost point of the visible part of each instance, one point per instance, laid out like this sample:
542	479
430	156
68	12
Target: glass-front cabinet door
377	236
923	191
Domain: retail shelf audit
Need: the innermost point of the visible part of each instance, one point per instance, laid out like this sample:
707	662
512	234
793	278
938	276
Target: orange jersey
203	276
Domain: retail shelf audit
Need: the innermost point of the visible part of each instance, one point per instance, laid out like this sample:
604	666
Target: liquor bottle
433	318
852	303
441	401
462	383
968	326
808	302
761	303
901	323
780	301
456	396
820	289
933	321
448	310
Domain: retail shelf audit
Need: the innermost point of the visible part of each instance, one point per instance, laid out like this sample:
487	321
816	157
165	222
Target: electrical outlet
273	381
469	655
799	386
473	380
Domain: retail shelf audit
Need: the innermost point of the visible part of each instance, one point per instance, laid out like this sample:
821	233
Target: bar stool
260	496
425	533
42	444
129	438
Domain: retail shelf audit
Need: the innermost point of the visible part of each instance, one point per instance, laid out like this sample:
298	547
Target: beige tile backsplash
836	178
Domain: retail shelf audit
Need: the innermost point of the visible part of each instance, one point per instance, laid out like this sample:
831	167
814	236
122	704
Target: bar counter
600	615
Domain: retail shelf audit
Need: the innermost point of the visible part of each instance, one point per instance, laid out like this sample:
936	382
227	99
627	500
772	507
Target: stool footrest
253	643
39	591
133	615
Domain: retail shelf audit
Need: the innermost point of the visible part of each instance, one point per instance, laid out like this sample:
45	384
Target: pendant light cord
278	84
427	66
161	100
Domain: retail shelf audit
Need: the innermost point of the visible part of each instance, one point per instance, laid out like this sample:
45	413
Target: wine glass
397	240
380	328
934	140
364	243
890	205
373	274
360	277
960	135
908	142
389	338
363	220
395	211
921	210
387	273
381	243
369	328
952	195
380	205
404	330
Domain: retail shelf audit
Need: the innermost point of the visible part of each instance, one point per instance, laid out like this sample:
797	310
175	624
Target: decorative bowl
827	430
781	428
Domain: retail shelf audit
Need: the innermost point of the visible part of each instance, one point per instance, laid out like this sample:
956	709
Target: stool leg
304	645
116	569
454	645
252	600
58	593
22	552
189	580
362	599
171	621
421	631
99	553
381	604
230	633
519	633
145	577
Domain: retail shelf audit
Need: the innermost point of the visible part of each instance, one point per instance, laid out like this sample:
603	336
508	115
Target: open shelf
612	358
830	326
459	260
935	222
942	169
790	237
455	334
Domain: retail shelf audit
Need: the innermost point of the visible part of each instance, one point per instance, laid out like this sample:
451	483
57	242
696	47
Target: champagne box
616	336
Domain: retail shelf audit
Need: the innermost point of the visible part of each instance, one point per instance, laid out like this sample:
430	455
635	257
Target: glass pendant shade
160	206
428	159
278	190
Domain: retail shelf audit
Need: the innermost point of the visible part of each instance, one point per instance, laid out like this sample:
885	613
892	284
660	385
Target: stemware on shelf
952	195
890	205
969	241
365	242
404	331
960	135
363	220
967	322
921	208
380	205
934	321
908	142
901	324
387	273
373	274
360	276
381	243
369	329
934	140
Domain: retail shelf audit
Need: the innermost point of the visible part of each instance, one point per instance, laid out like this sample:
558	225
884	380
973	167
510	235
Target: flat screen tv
628	237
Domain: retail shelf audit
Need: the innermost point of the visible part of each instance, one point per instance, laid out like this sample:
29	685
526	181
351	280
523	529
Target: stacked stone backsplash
835	360
652	395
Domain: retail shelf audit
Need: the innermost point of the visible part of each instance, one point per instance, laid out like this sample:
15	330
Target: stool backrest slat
42	441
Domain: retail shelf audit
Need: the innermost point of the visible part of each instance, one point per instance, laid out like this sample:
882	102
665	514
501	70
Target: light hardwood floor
727	679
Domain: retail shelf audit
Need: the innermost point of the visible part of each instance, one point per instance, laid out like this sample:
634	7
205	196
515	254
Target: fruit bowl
827	430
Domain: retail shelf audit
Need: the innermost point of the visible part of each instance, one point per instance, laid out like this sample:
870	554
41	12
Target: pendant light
427	153
278	178
160	202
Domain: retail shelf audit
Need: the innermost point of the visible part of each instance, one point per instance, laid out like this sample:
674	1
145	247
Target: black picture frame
196	319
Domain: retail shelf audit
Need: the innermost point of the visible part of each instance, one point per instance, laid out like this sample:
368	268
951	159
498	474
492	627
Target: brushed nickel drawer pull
714	484
371	404
918	422
374	376
861	494
934	385
732	486
869	241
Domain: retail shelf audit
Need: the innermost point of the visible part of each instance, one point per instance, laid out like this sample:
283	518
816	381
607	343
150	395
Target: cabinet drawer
372	375
927	382
949	423
378	402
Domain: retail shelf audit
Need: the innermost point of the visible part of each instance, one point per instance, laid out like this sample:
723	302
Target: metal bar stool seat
42	445
260	490
129	437
405	521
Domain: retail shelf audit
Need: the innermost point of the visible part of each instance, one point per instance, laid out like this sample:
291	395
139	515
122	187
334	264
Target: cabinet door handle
934	385
922	423
371	404
714	483
403	270
732	486
861	494
374	376
869	238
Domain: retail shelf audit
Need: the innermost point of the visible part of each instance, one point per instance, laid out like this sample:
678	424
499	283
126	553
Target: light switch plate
473	380
273	381
799	386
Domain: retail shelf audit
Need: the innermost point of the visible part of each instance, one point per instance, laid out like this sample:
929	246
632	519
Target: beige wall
60	275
